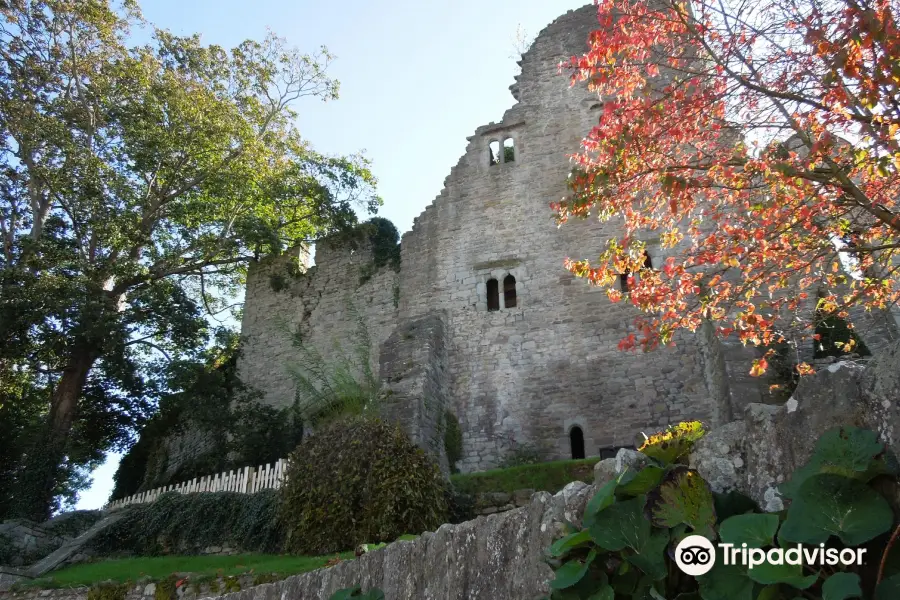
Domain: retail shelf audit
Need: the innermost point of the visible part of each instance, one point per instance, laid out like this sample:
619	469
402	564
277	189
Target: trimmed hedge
188	523
546	477
359	481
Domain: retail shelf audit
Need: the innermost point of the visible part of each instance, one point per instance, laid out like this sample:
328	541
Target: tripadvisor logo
696	555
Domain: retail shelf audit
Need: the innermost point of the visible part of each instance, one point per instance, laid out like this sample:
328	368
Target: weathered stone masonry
522	374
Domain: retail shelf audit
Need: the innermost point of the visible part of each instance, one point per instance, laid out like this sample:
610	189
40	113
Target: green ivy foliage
214	404
357	481
385	239
188	523
632	525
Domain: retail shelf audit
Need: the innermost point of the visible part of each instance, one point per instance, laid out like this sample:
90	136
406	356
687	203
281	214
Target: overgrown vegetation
633	524
188	523
548	477
355	481
212	405
340	385
385	240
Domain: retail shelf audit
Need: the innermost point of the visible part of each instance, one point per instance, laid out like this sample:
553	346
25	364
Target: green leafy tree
137	184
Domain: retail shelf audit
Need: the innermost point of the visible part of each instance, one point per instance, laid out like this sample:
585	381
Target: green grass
546	477
160	567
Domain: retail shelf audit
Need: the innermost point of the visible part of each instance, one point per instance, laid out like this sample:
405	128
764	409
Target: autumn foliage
758	142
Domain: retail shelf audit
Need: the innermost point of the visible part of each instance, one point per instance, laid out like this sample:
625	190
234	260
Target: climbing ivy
633	524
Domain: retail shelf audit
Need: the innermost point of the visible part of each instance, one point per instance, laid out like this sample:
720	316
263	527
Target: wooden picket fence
243	481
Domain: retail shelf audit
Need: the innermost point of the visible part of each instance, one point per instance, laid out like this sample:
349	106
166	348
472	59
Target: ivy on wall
216	409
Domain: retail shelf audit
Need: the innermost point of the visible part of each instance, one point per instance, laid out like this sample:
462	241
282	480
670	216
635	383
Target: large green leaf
755	530
726	582
829	504
604	593
889	588
635	483
346	593
848	451
622	525
733	503
841	586
674	443
650	558
571	572
769	573
567	543
601	500
682	496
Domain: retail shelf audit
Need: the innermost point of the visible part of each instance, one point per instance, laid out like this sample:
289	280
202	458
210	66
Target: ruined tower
481	319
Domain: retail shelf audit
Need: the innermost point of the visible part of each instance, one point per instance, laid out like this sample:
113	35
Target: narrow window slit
493	294
509	292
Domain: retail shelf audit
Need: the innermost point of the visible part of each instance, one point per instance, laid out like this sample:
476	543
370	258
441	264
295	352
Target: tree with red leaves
758	142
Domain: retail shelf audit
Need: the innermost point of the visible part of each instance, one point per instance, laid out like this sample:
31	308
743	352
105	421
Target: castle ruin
481	319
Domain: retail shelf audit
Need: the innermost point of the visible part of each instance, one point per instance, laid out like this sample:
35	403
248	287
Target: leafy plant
340	385
674	443
632	525
359	481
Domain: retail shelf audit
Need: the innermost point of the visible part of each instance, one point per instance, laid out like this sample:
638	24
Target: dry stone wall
522	374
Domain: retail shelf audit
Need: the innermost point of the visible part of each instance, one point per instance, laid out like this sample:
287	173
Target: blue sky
416	78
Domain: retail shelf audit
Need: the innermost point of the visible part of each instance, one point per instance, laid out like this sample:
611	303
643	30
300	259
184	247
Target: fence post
248	480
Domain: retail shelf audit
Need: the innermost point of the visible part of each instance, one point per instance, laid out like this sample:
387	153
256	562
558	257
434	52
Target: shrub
357	481
188	523
634	523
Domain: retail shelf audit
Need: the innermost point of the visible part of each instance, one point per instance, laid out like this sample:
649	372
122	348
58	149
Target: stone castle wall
518	375
324	303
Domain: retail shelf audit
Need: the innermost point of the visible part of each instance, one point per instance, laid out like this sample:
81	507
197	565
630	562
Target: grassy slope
548	477
160	567
157	568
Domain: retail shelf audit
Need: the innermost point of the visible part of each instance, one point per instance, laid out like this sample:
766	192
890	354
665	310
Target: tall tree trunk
39	483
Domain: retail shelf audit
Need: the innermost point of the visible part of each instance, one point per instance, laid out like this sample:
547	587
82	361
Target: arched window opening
576	441
623	280
509	151
648	262
509	291
493	294
494	153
